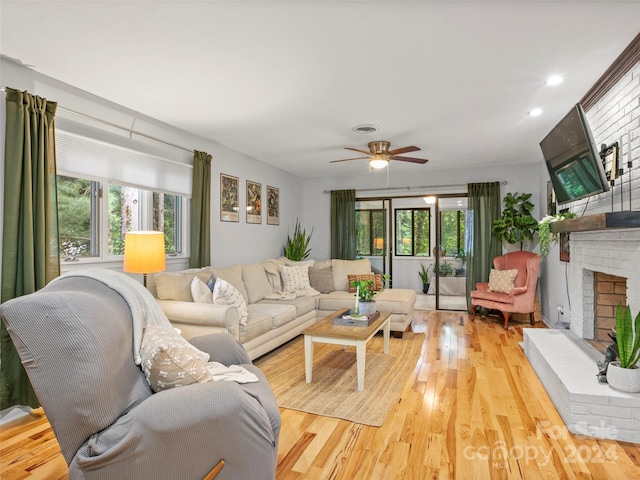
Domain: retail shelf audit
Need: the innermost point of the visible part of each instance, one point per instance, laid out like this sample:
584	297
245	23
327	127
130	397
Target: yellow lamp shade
378	243
144	252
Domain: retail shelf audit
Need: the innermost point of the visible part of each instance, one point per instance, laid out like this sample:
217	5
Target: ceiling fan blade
411	159
347	159
398	151
357	150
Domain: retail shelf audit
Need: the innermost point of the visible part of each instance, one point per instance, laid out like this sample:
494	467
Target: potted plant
546	236
364	301
424	276
462	256
625	374
296	248
516	224
445	269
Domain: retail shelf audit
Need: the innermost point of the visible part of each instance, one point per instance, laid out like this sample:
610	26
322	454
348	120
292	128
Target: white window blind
90	158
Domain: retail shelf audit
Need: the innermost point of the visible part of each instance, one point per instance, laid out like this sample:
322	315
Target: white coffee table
326	332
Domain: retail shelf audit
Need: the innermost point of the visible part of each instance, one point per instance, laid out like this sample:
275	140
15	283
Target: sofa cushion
177	285
280	313
376	278
502	280
258	323
303	304
321	279
200	291
256	282
233	275
396	300
295	278
336	300
272	268
342	268
224	293
169	361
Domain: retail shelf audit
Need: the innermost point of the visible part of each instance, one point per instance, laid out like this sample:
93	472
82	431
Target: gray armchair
75	339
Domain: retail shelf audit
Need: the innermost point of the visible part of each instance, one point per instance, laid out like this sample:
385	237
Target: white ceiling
284	82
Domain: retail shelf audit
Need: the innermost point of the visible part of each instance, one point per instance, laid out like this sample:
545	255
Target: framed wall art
273	205
254	202
229	207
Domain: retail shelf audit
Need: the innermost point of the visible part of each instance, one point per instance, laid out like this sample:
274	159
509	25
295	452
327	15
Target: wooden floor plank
472	408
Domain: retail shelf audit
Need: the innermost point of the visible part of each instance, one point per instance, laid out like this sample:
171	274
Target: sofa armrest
222	348
202	314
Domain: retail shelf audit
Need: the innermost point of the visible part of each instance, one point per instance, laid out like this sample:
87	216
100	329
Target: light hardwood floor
472	409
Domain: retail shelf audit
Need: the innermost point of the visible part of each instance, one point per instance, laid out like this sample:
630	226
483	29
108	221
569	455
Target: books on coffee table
350	318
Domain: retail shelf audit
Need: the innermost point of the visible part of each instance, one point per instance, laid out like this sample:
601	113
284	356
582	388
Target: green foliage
365	290
627	337
516	223
445	269
296	248
424	274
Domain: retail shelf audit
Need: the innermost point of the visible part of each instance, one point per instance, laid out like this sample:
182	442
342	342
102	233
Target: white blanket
144	308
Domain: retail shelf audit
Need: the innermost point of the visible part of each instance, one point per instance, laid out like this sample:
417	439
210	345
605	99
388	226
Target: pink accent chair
521	298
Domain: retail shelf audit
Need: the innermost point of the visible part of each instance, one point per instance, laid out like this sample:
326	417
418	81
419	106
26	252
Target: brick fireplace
604	269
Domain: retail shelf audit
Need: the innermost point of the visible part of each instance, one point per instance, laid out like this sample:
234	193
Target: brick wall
615	118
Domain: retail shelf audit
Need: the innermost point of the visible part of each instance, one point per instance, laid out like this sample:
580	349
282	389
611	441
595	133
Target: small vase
365	308
623	379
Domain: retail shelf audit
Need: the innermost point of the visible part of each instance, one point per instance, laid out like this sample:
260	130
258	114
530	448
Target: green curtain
481	243
200	247
343	224
30	227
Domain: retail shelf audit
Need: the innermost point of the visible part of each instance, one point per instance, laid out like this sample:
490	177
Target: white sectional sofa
275	315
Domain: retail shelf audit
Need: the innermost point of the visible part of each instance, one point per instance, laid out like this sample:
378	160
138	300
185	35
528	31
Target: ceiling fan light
378	161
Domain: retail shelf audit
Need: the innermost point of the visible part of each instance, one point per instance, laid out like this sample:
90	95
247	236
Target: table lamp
144	253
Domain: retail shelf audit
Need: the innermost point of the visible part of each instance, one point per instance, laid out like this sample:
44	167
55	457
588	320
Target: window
412	232
452	231
370	232
81	216
77	217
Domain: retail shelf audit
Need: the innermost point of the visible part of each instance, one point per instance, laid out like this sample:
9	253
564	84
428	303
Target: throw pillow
376	278
502	280
321	279
200	291
295	278
169	361
226	294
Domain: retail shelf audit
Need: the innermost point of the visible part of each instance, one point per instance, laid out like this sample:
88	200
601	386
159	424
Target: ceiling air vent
366	128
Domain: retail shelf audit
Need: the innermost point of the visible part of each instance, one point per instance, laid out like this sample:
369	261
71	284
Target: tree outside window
370	232
452	231
412	232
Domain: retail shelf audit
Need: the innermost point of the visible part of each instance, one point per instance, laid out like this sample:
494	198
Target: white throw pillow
295	278
226	294
502	280
200	291
169	361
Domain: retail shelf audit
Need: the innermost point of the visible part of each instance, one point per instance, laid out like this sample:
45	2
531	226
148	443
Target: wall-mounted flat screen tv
572	159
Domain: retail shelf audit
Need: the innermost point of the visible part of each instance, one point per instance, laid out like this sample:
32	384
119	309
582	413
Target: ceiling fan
379	154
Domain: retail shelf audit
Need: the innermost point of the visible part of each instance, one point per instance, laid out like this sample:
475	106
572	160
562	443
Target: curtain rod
131	132
451	185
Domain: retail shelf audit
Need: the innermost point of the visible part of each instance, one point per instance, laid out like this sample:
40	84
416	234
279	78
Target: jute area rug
333	391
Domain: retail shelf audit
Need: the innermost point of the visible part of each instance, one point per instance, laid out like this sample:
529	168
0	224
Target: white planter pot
365	308
623	379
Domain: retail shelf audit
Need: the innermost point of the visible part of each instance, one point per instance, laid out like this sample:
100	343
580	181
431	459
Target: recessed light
554	80
535	112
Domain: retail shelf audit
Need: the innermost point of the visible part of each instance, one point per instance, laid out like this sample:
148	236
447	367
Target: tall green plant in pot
517	224
297	248
625	374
